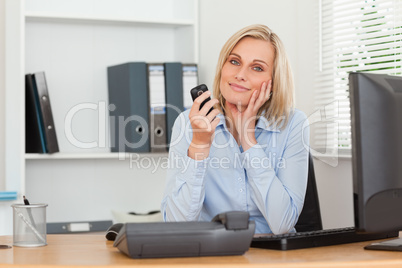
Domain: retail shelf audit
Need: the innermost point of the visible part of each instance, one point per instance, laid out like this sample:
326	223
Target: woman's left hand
245	121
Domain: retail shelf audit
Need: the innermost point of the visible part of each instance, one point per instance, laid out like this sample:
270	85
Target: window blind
354	36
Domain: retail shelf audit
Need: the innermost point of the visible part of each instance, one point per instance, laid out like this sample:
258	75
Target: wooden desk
95	251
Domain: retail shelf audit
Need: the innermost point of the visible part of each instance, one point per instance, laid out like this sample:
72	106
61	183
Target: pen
26	202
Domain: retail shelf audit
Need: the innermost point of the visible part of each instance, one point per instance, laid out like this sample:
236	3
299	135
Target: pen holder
29	225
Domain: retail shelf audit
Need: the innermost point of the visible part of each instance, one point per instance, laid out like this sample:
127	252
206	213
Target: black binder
190	80
129	118
173	95
40	133
34	138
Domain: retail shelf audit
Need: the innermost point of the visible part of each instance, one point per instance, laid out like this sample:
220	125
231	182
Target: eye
234	62
258	69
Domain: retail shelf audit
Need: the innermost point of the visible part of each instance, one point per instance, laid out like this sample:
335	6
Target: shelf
80	156
44	17
74	42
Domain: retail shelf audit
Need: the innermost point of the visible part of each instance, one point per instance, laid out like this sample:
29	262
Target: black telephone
197	91
228	233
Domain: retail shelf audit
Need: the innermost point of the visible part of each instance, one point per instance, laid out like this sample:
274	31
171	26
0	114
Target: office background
96	186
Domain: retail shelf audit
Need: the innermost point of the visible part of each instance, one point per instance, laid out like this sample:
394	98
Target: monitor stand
391	245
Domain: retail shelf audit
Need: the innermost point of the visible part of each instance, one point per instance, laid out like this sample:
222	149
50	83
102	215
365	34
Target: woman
249	153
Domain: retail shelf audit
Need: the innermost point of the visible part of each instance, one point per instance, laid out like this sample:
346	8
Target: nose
241	74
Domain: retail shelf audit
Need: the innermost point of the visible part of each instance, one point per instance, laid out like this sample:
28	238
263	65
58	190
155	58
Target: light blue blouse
268	180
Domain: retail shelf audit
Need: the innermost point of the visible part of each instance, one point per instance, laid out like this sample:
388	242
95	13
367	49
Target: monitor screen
376	110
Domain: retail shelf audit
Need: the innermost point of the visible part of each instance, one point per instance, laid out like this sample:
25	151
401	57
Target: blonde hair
281	103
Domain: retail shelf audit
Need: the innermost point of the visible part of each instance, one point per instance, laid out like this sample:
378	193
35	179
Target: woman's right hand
203	126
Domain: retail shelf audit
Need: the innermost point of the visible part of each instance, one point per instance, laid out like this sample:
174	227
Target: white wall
5	206
5	209
306	51
91	191
2	95
335	191
220	19
291	20
296	24
334	175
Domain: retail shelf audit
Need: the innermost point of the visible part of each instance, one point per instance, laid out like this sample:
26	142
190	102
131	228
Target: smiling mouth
238	88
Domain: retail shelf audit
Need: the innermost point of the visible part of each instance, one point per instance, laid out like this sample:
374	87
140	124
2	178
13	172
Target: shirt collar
262	123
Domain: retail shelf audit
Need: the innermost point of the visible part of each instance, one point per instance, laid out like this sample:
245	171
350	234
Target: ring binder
128	91
157	131
40	129
173	95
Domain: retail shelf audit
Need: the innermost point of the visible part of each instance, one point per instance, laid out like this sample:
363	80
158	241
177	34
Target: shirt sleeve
280	195
185	189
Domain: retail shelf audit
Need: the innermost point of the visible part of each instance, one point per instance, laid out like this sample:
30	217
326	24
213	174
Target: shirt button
241	190
239	179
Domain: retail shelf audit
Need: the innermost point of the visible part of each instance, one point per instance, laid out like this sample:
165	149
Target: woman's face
248	66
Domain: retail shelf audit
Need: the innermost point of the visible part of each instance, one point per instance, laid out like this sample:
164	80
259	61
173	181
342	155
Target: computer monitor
376	109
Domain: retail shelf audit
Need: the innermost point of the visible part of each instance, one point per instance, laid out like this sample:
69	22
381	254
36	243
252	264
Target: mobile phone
197	91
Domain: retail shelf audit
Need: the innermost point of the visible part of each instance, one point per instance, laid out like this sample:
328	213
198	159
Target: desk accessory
389	245
29	225
124	217
78	227
228	233
319	238
113	231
